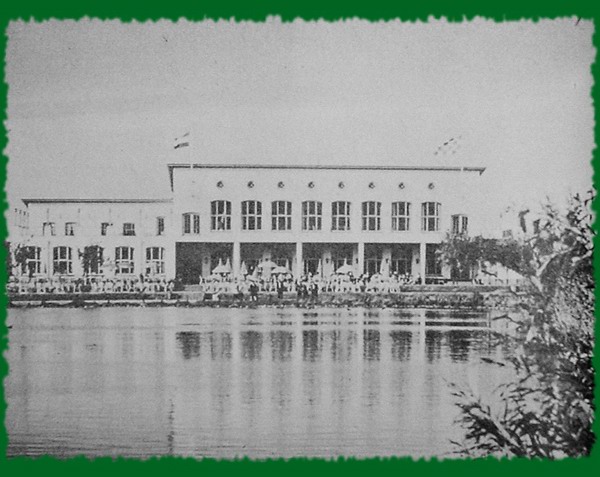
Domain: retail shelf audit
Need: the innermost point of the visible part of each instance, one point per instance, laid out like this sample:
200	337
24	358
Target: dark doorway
188	262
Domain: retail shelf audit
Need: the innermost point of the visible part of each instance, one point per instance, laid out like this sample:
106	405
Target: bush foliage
547	410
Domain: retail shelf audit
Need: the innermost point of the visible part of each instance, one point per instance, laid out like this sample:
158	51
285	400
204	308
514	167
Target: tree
25	259
547	411
9	259
91	259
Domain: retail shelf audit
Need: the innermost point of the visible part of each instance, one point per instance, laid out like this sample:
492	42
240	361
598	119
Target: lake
227	382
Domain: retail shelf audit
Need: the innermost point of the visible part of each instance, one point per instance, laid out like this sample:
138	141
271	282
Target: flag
449	147
182	141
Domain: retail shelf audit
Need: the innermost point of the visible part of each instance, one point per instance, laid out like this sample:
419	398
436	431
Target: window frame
220	215
124	263
400	216
128	229
155	261
194	223
70	229
340	220
430	222
58	260
312	215
460	224
371	216
281	221
160	226
251	215
51	226
36	261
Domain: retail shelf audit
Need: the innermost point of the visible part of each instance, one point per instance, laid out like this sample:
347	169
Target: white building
310	219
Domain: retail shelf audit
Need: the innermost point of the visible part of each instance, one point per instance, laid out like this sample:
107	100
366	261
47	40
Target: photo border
254	10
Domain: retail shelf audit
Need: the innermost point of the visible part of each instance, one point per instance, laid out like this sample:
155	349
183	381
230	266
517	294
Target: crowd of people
304	286
60	285
282	283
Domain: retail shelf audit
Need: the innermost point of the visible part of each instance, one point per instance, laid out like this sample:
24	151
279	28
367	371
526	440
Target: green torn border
255	10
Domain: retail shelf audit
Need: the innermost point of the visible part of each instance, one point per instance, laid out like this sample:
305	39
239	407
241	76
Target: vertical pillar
422	260
139	257
360	266
386	257
235	259
49	262
299	260
170	259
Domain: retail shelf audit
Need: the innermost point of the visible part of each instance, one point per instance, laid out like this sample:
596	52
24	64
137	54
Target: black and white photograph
285	239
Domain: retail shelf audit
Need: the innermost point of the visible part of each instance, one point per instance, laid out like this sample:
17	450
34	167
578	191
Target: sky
94	106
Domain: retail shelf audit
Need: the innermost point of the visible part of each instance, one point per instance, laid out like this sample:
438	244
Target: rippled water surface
231	382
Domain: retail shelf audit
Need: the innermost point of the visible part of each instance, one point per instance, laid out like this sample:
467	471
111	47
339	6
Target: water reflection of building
323	378
309	219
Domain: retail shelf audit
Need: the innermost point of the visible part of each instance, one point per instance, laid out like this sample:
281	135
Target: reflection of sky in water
226	382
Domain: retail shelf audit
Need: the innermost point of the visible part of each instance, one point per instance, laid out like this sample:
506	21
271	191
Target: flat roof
96	201
172	166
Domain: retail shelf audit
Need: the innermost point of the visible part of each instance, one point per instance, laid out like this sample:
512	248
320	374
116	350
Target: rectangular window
311	215
155	261
430	216
340	215
124	262
129	228
251	215
160	225
281	215
70	228
33	260
48	229
400	216
62	260
104	228
460	224
220	215
92	259
371	215
191	223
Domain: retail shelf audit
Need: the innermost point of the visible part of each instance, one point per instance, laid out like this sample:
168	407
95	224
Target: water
231	382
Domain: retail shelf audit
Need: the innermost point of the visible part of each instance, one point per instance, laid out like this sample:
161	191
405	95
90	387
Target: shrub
547	411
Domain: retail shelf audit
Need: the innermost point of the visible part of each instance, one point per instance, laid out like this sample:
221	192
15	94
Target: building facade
308	219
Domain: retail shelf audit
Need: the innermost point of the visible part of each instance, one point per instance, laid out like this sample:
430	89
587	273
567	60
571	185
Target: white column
360	266
422	260
170	259
299	260
386	256
49	261
235	259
